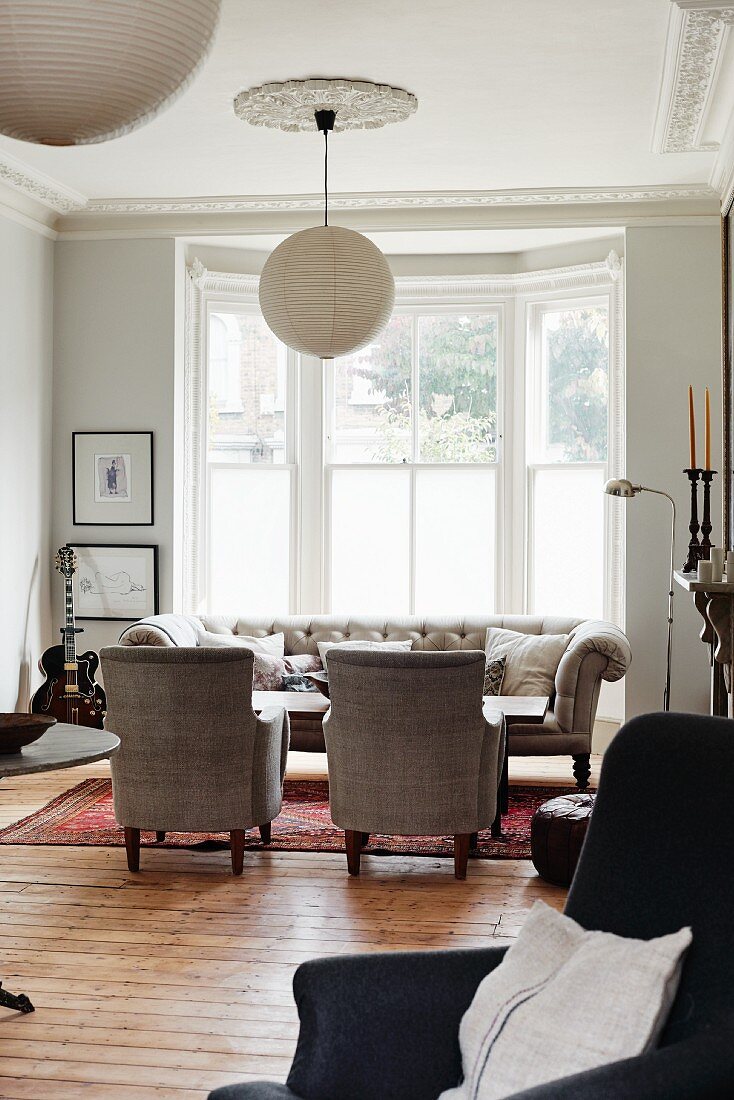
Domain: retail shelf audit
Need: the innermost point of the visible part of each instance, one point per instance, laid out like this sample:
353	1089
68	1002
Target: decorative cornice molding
417	287
38	186
399	200
697	32
578	277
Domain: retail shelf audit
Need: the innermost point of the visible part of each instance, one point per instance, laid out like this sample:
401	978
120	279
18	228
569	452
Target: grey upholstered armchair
193	756
410	752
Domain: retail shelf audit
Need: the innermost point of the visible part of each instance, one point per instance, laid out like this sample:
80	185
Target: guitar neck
69	635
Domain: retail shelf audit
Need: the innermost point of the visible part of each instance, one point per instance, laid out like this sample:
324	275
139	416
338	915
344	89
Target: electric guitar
70	692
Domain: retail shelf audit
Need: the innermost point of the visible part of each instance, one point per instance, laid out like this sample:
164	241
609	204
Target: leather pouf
557	832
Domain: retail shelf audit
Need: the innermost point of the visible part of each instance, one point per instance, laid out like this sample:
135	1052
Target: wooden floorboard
165	984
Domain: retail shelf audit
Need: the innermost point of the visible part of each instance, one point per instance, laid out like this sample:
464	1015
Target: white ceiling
535	94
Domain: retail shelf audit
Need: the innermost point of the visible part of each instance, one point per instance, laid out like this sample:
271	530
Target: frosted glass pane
455	541
370	541
249	538
567	566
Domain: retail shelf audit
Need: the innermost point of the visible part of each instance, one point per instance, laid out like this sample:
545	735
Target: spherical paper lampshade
74	72
327	291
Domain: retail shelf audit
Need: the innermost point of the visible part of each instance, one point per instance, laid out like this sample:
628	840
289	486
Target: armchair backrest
405	738
660	851
187	730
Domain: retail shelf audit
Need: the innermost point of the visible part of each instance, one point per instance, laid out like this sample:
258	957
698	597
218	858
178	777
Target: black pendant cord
326	177
325	121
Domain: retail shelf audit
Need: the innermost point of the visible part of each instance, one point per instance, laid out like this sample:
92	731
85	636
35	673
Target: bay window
454	465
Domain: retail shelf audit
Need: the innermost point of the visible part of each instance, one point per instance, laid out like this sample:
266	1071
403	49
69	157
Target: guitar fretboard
69	636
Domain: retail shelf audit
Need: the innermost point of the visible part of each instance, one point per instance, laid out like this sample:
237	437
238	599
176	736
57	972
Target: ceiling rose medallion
326	291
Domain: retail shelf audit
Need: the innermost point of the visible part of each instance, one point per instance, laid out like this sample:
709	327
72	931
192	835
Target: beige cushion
565	1000
532	661
272	645
325	647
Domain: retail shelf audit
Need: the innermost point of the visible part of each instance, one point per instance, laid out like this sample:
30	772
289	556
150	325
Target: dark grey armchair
193	756
658	855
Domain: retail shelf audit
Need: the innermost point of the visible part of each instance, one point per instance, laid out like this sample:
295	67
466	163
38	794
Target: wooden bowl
321	680
17	730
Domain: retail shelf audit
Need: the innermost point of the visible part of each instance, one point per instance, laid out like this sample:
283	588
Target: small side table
62	746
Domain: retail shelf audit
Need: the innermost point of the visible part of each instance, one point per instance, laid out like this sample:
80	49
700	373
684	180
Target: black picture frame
115	519
78	546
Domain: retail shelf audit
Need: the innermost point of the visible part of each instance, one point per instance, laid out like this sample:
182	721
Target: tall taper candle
691	429
707	429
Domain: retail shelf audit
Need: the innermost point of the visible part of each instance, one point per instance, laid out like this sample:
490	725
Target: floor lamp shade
327	291
73	73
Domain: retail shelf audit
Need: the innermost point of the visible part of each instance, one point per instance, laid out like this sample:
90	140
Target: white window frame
457	307
535	387
207	293
309	394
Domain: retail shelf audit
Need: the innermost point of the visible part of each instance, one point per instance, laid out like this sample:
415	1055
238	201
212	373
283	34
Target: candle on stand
707	428
691	429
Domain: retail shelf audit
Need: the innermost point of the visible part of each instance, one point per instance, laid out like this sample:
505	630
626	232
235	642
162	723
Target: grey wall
118	331
26	280
114	341
673	282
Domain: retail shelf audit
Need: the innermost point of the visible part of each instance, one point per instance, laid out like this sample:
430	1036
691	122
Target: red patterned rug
85	815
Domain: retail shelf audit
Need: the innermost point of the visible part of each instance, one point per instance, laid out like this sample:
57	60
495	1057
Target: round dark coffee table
62	746
557	832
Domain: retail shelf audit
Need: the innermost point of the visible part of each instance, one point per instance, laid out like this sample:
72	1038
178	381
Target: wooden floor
167	983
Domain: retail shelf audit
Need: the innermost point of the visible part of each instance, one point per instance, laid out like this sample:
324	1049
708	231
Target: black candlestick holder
707	476
695	552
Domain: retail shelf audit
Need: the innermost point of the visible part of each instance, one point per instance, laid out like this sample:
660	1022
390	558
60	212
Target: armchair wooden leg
582	769
237	844
160	836
461	854
132	847
266	832
365	839
353	842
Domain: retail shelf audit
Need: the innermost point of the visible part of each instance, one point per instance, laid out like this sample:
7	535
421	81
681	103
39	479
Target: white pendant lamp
74	72
326	291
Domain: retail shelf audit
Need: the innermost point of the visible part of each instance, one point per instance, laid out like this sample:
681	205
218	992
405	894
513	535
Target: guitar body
86	707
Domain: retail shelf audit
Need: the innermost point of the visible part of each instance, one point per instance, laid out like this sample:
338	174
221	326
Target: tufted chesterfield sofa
596	651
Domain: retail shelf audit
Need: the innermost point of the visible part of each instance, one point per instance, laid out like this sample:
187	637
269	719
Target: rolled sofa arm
597	651
163	630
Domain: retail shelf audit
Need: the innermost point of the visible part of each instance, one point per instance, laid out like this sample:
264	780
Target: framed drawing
112	478
115	582
727	243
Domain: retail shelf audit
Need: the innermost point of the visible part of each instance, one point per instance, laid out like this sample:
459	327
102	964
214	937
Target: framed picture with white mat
115	582
112	478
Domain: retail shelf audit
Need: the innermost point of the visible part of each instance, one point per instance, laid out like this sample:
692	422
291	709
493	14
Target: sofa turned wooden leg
160	836
461	854
266	832
365	839
582	769
132	847
237	844
354	847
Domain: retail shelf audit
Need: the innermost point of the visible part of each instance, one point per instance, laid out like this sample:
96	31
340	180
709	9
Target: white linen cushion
532	660
271	645
564	1000
325	647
